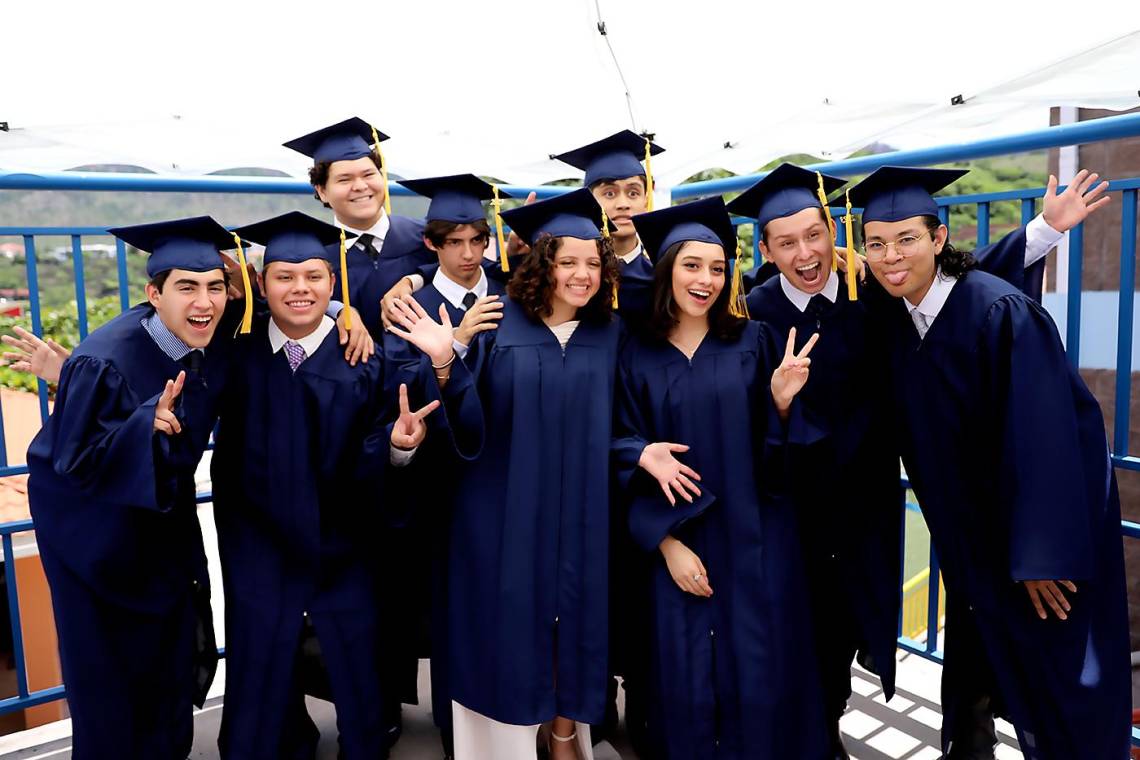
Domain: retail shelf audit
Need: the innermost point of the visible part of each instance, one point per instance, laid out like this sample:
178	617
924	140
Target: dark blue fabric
1006	450
846	486
114	505
299	470
529	541
734	675
371	276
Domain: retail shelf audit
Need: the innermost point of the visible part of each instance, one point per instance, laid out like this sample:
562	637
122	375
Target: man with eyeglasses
1006	450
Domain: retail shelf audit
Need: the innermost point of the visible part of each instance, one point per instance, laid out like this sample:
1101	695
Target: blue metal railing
1103	129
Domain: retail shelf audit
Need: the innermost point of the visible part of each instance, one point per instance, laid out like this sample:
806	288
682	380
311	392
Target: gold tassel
830	222
344	282
737	305
383	173
648	175
247	316
497	205
615	301
852	288
605	225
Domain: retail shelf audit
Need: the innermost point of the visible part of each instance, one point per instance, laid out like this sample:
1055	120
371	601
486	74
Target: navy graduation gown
528	578
372	275
114	507
428	525
299	468
734	675
1005	448
847	488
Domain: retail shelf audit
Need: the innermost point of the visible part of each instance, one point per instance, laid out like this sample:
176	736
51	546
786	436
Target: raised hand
515	245
165	420
790	377
44	359
686	568
483	315
410	430
431	337
1063	211
657	459
1048	593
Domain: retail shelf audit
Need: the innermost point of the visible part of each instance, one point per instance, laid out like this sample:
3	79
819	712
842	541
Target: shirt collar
171	344
800	299
378	231
633	255
935	298
310	342
453	292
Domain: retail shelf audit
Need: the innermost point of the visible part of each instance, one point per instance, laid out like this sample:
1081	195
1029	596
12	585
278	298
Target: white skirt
478	737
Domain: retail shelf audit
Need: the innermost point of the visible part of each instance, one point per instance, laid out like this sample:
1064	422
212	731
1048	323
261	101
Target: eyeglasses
907	245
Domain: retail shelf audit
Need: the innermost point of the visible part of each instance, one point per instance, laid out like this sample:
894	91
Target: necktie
193	362
365	243
469	300
294	353
920	323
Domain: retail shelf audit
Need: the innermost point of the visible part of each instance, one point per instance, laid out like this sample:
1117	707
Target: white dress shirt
800	299
379	230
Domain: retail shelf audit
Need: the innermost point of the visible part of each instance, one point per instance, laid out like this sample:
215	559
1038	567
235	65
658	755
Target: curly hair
532	284
319	174
663	318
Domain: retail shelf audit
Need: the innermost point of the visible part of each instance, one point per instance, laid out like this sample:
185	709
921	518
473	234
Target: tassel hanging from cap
830	222
737	305
247	316
383	173
852	289
497	206
344	282
648	175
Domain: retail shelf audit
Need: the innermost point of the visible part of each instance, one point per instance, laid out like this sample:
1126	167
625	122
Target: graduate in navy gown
457	231
303	446
1006	450
527	590
846	485
349	176
112	493
706	413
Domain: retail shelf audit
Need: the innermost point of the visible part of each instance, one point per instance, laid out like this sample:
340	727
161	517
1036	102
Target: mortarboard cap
894	193
350	139
615	157
705	220
192	244
786	190
457	198
292	237
575	214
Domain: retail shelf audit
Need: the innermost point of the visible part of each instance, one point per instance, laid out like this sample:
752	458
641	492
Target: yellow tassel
615	301
830	222
648	175
605	225
737	305
344	282
497	205
247	316
852	289
383	173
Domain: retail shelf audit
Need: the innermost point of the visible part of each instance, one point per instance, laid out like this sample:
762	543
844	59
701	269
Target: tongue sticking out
896	278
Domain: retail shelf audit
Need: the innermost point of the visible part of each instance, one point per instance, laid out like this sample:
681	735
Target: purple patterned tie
294	353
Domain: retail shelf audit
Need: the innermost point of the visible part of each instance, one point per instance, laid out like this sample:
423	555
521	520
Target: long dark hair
532	284
663	318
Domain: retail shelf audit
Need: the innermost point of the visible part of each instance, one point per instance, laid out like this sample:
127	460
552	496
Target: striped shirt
171	344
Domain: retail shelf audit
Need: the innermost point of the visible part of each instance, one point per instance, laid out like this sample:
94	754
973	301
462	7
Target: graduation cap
295	237
894	193
575	214
786	190
192	244
705	221
345	141
458	198
615	157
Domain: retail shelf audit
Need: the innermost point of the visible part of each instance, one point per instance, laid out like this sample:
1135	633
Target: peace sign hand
409	431
165	420
790	377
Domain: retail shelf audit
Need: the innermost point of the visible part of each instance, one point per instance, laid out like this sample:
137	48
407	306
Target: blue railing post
983	224
124	285
932	603
34	306
1122	413
1073	312
80	284
14	617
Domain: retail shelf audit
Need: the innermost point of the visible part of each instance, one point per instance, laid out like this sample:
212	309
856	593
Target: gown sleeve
1042	479
104	438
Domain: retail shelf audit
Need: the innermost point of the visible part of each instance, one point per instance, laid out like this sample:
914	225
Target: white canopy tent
495	88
